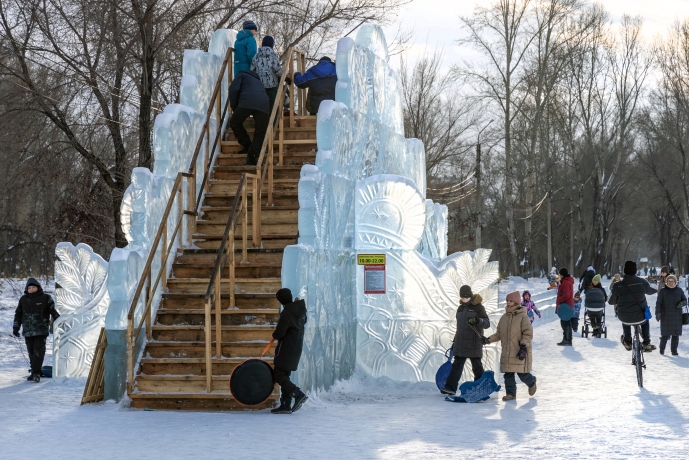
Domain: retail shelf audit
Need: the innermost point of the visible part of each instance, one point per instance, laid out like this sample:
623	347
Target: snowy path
587	405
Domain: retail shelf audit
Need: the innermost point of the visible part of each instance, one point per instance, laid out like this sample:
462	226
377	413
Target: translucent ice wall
367	195
175	133
82	301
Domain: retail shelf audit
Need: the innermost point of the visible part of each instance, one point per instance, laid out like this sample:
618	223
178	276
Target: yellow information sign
371	259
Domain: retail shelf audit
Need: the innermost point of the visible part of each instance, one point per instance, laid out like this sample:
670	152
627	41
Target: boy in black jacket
290	336
33	315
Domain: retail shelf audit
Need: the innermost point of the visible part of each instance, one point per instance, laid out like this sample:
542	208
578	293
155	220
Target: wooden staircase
172	372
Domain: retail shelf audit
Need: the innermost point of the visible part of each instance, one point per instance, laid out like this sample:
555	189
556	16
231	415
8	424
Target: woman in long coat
669	313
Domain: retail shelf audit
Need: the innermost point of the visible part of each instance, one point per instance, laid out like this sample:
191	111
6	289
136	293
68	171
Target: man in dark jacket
629	294
586	279
33	316
472	319
290	336
248	98
321	80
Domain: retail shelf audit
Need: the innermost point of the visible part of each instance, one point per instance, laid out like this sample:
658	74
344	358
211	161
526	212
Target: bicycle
638	355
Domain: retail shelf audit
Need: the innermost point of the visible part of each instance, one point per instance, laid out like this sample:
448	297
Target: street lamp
479	201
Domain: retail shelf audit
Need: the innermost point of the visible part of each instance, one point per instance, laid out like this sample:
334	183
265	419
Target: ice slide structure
365	195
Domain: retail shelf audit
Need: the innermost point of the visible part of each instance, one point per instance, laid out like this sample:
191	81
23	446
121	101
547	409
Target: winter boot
509	397
36	378
532	390
627	345
299	399
285	406
30	378
448	391
649	348
564	341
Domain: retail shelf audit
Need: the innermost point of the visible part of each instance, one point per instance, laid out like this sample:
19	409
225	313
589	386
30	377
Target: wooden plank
93	391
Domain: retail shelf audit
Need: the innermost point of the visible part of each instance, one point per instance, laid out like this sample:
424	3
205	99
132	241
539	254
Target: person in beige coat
515	334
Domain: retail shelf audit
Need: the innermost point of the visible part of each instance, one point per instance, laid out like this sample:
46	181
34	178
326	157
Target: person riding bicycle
629	295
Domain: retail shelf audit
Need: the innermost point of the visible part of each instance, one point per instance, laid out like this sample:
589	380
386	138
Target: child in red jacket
564	306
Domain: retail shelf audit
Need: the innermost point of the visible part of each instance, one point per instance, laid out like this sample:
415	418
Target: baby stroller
594	314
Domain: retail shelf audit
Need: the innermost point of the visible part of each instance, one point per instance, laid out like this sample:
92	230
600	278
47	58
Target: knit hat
513	297
596	278
325	58
268	41
665	269
564	272
577	294
670	277
630	267
284	296
525	293
251	25
465	292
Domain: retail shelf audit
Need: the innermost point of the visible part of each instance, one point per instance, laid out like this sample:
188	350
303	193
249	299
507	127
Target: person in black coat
629	294
289	333
33	315
586	279
669	305
472	319
595	305
248	98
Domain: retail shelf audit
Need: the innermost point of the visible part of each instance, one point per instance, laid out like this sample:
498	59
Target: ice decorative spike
82	301
367	195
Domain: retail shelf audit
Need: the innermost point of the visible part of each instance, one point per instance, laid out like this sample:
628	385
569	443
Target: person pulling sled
33	315
289	333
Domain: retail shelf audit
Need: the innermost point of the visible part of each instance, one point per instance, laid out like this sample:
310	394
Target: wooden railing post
218	313
180	210
244	225
130	355
191	189
209	360
281	143
232	265
149	295
163	258
292	93
256	213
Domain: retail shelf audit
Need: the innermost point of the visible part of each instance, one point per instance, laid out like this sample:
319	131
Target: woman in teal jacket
245	47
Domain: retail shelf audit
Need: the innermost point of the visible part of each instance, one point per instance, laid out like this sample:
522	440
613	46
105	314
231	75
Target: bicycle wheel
638	363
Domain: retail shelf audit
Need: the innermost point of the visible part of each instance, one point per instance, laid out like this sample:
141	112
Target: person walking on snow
245	47
564	306
531	309
595	304
586	279
669	305
630	297
663	274
515	334
33	315
472	319
577	311
289	333
268	68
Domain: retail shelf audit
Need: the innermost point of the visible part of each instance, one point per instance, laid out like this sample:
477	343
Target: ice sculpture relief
82	301
366	194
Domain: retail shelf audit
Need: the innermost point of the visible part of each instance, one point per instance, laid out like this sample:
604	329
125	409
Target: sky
436	23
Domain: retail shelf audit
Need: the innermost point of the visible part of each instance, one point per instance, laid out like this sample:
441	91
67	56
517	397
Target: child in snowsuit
531	309
472	319
33	315
515	333
289	333
577	310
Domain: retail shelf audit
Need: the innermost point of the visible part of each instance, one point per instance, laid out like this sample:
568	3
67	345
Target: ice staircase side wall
367	194
175	134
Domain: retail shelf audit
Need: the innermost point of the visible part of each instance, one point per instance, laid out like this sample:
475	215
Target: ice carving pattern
82	301
366	194
175	133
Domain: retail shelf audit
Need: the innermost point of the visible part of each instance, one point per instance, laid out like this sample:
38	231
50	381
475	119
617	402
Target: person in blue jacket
245	47
321	80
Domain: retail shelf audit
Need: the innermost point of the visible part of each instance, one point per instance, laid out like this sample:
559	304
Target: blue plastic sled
444	370
479	390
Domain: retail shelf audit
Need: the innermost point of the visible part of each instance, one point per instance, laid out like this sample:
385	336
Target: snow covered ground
587	405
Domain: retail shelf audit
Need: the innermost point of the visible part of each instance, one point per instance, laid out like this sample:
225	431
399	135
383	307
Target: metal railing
263	175
165	243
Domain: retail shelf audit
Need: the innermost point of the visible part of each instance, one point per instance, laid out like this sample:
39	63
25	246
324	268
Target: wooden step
241	270
289	158
285	197
200	285
174	349
182	384
229	187
215	401
191	333
233	317
206	257
217	227
234	173
269	241
192	301
268	213
192	366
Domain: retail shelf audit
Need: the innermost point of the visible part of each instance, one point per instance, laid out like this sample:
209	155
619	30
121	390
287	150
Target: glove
473	321
539	315
522	352
658	317
485	340
288	80
15	332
